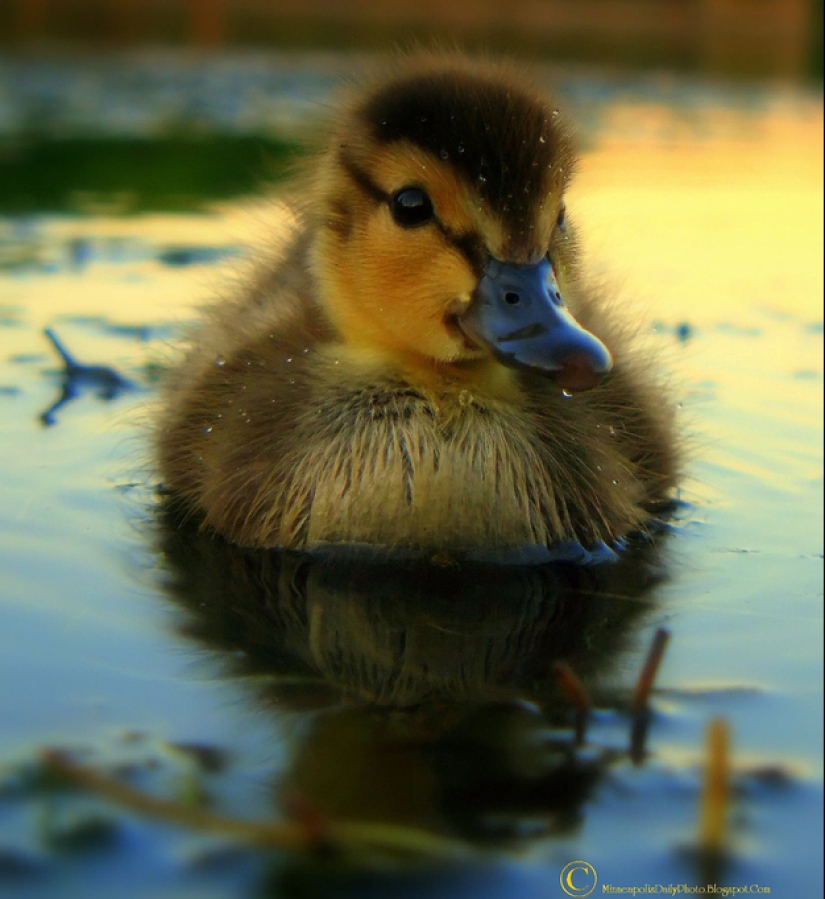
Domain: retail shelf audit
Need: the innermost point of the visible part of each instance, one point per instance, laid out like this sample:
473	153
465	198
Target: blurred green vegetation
124	175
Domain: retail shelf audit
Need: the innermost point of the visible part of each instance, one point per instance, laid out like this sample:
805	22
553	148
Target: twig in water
647	676
716	790
578	694
353	837
641	694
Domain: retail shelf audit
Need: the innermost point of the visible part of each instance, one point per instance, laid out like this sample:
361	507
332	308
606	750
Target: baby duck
423	370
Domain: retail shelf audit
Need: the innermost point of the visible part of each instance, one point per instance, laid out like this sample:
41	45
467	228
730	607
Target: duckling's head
440	236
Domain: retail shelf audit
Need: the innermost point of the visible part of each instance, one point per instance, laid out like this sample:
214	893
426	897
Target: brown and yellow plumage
351	395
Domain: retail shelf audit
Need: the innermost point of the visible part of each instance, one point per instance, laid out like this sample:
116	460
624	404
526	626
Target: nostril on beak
512	298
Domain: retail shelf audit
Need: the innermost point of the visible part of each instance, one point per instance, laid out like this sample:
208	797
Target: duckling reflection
440	706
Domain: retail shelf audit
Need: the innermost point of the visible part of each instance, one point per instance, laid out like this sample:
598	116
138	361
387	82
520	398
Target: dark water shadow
427	693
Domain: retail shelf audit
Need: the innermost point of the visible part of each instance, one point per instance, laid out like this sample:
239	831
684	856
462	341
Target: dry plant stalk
571	684
647	676
578	694
290	836
716	790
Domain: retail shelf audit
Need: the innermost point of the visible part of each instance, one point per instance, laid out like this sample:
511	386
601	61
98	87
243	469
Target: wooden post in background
30	18
207	22
767	37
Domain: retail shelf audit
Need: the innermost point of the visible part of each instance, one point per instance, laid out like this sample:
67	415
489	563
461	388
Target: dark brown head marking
500	135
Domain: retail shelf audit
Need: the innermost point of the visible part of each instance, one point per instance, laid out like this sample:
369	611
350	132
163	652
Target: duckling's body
355	394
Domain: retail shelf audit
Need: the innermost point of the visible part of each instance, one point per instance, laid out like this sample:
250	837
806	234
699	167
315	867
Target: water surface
435	705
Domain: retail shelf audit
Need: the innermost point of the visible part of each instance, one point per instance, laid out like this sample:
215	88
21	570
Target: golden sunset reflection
702	229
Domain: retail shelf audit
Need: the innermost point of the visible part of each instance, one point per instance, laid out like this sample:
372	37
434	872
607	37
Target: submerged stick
578	694
642	691
290	836
650	668
286	836
716	790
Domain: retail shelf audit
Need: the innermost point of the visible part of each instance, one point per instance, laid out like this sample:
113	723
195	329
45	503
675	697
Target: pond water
213	677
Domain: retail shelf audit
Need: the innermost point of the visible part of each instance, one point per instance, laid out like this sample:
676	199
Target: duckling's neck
482	377
485	376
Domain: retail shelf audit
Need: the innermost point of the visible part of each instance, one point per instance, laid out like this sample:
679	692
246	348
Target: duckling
423	370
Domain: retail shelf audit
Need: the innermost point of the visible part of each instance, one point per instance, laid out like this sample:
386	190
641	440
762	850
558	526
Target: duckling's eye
411	207
561	221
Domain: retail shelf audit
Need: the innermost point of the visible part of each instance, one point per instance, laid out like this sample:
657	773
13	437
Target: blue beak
518	312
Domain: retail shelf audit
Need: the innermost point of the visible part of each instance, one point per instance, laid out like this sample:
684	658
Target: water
130	645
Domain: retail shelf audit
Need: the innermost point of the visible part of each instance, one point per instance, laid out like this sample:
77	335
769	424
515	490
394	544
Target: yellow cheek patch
391	287
410	278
